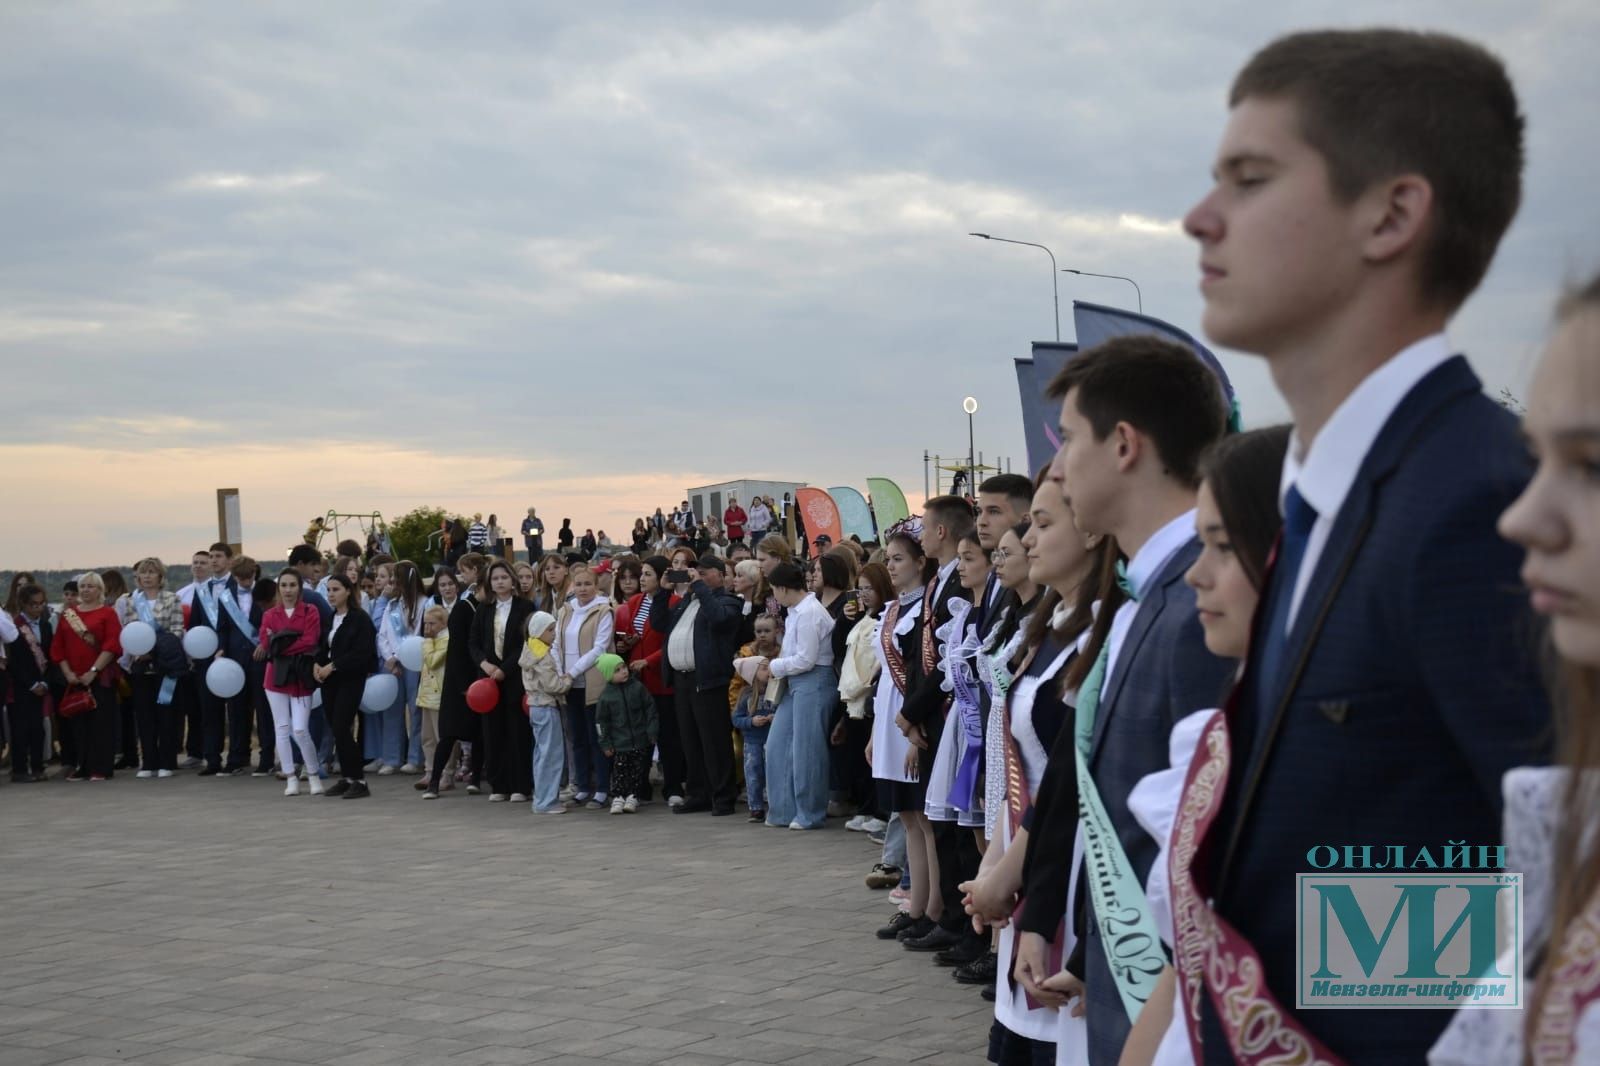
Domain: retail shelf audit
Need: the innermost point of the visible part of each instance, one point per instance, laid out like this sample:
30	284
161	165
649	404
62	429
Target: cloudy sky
486	254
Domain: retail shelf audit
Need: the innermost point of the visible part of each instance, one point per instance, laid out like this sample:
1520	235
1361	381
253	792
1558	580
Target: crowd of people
1098	720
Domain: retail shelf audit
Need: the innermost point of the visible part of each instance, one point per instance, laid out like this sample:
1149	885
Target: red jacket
733	520
103	628
308	623
652	646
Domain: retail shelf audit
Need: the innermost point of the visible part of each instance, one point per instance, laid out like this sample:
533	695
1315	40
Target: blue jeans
797	750
591	770
755	766
413	681
385	734
894	846
549	755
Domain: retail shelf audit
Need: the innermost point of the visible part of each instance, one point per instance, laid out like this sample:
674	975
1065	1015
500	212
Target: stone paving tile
213	921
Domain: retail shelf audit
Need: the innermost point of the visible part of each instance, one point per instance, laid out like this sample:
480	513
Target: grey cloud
524	223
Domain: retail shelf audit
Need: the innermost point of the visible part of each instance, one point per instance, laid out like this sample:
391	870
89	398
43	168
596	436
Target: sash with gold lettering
1571	987
891	650
1210	956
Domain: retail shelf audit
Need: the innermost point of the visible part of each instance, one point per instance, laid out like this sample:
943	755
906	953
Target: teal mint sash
1127	932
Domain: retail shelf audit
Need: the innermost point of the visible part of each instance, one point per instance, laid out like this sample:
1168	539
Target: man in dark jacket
32	679
702	639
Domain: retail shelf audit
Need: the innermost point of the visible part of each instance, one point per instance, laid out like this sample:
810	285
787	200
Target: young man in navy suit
236	642
1137	413
1363	182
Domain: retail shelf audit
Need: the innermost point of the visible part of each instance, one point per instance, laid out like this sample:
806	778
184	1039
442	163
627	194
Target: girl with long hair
551	583
459	725
291	633
1552	816
498	633
584	632
644	648
346	660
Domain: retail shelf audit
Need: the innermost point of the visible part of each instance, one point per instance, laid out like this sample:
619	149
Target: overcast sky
487	254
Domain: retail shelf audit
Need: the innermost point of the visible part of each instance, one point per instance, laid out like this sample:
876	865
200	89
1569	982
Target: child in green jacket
626	721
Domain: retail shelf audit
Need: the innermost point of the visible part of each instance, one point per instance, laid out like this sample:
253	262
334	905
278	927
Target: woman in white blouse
797	747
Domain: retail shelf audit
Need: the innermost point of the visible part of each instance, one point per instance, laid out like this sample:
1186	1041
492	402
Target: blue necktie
1298	518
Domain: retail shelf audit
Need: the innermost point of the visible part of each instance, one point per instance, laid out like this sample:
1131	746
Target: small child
541	680
753	719
626	722
435	646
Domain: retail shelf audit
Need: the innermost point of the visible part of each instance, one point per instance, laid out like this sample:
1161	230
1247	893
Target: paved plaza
201	920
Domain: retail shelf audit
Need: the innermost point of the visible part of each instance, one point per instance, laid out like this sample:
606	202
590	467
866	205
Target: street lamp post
1054	290
1091	274
970	406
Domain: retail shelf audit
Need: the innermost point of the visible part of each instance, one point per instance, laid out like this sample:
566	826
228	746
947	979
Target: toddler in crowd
541	680
626	722
430	688
752	712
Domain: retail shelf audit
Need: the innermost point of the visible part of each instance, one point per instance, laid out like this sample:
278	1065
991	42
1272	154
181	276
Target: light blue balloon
225	678
380	693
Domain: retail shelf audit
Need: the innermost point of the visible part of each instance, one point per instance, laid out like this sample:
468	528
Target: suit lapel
1150	608
1410	420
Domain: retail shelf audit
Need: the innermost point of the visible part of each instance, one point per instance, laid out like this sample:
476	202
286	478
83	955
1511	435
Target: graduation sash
1571	987
141	604
230	603
1127	932
891	650
961	648
1210	956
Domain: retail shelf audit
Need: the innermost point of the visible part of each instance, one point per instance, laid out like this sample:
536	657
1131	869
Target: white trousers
291	717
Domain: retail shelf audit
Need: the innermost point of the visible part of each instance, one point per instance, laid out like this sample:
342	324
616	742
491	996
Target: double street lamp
1053	270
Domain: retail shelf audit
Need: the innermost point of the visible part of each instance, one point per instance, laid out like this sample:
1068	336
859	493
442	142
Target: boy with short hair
1362	185
627	725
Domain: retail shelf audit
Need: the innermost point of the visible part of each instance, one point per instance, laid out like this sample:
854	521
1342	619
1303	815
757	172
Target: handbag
75	702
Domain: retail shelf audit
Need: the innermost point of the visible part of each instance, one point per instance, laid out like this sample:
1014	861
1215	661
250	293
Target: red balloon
483	695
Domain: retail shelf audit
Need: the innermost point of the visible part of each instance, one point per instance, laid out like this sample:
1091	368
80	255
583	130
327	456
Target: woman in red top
87	645
734	519
644	647
289	683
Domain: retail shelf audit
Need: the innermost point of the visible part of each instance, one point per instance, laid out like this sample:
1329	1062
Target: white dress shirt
1142	569
680	642
1325	472
807	639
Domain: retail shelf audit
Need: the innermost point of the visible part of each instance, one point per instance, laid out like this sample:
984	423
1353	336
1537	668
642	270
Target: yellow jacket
431	687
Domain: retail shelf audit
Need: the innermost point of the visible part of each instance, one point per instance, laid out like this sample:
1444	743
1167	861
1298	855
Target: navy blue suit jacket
1407	688
233	642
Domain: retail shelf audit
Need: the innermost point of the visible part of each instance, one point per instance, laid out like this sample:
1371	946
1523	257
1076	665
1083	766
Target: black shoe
901	921
969	950
357	790
338	788
937	939
917	929
723	812
691	808
988	992
237	771
757	816
980	971
209	771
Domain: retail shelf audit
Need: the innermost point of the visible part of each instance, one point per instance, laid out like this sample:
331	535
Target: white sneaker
372	767
855	825
145	775
163	773
430	795
497	797
674	802
566	794
616	805
874	825
517	797
316	785
410	768
293	788
385	771
796	825
631	805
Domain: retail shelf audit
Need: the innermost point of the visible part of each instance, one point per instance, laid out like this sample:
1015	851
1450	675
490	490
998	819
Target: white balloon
200	642
380	693
138	638
225	678
410	653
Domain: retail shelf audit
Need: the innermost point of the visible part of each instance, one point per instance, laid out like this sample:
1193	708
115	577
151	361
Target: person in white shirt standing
797	748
